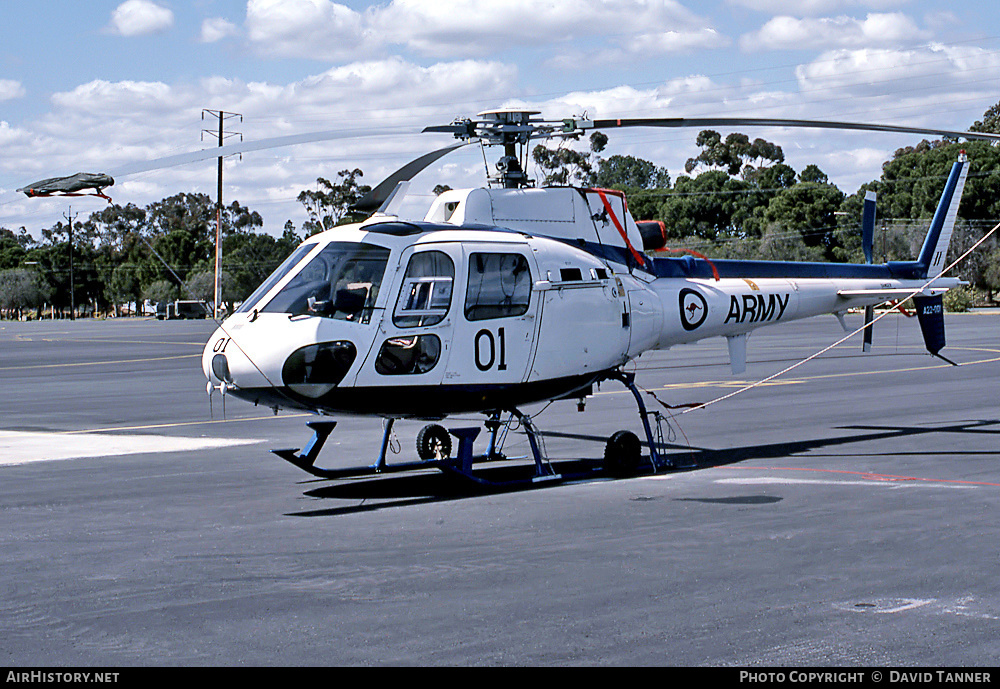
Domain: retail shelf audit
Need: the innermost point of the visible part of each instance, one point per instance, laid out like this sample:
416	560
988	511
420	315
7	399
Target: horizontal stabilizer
899	293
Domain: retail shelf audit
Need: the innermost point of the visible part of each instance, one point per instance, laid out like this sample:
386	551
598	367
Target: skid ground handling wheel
622	454
433	442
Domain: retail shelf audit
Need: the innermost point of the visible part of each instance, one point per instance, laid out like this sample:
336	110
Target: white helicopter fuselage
489	326
476	309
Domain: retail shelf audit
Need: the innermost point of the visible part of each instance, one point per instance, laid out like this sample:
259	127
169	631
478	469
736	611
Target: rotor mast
512	129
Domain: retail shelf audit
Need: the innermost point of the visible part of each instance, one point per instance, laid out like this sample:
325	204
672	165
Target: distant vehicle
171	310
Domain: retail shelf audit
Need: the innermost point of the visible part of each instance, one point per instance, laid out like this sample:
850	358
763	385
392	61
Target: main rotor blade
463	128
259	145
374	199
679	122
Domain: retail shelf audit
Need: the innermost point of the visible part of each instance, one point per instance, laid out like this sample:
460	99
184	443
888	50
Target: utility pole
72	282
222	116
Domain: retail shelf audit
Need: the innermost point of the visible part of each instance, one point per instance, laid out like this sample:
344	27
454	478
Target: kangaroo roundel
694	308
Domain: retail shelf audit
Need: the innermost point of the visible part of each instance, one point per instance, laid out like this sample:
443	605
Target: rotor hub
513	129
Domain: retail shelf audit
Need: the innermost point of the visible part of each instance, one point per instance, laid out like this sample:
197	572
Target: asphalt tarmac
842	514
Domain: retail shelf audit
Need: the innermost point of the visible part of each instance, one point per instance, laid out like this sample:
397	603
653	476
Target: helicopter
479	306
512	294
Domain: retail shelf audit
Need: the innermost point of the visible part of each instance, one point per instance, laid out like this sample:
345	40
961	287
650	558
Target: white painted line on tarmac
874	481
24	447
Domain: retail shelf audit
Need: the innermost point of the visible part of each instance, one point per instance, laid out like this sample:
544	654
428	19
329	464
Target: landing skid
622	454
461	465
305	459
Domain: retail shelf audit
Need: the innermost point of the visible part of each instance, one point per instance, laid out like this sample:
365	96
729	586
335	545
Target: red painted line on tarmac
876	477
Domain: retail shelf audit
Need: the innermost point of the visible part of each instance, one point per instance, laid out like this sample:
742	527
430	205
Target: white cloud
138	99
475	26
353	95
103	125
899	76
319	29
11	135
217	29
10	90
26	153
140	17
942	19
680	97
323	29
363	92
638	47
676	41
790	33
813	8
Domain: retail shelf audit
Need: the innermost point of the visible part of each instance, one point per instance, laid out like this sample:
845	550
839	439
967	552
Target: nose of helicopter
311	369
214	363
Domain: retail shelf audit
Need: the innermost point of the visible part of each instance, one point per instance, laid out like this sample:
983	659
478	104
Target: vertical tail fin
868	227
935	248
933	254
930	310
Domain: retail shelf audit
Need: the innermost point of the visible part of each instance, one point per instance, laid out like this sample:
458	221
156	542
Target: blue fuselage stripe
693	268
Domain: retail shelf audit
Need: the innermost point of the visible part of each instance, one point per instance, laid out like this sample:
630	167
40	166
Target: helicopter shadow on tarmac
424	487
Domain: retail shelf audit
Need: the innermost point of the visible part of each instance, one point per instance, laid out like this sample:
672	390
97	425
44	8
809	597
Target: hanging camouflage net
71	186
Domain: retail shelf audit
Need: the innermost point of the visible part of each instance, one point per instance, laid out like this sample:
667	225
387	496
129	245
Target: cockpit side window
499	286
341	282
425	297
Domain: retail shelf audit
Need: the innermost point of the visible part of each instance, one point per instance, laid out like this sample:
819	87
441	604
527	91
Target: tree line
127	255
737	199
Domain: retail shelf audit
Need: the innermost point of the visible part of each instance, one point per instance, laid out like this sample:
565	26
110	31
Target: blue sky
93	86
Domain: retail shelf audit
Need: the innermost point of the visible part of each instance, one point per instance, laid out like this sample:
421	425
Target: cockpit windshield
275	277
342	282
